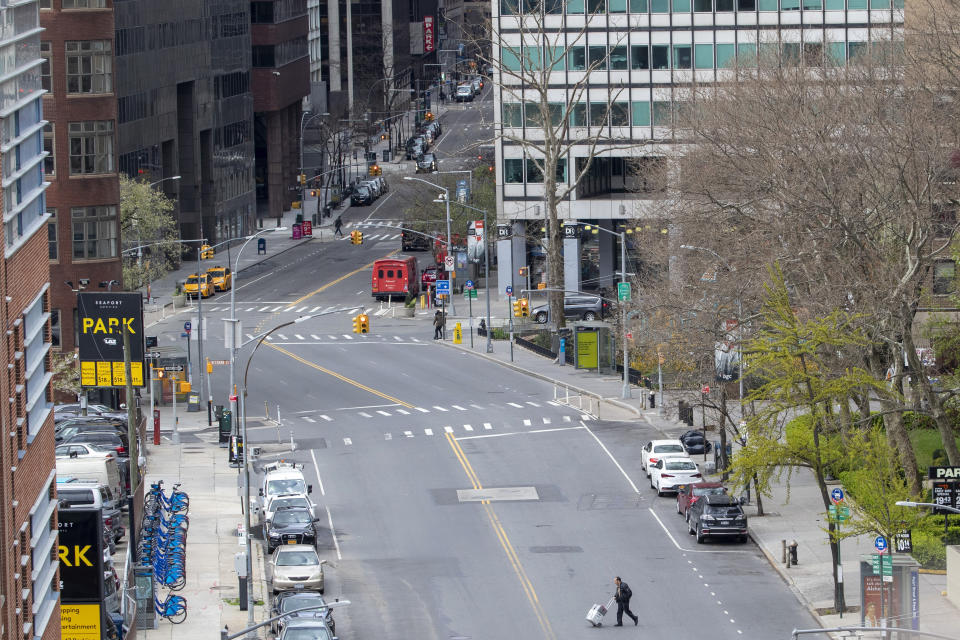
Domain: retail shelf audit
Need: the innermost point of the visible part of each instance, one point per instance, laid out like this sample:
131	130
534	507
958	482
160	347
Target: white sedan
658	449
668	473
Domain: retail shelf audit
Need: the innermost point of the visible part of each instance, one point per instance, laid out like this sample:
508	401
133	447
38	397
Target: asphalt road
459	500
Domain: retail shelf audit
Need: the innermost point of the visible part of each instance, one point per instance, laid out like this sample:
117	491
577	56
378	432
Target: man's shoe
619	624
636	620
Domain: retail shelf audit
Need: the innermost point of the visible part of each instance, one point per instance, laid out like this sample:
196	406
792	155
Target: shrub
499	333
543	340
928	550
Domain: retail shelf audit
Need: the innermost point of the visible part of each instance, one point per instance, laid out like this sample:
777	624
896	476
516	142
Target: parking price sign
443	287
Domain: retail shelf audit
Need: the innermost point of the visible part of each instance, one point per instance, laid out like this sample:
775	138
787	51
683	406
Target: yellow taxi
203	284
221	277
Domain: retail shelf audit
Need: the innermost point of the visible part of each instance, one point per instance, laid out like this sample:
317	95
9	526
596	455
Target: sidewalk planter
179	300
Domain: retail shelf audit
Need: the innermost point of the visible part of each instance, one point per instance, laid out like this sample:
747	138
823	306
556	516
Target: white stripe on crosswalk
546	421
331	337
348	337
281	307
250	308
308	419
395	236
439	408
532	404
467	427
300	310
415	339
487	426
327	418
269	338
428	432
365	414
263	309
448	429
281	336
409	434
514	404
422	410
347	441
249	336
403	412
458	407
298	336
476	406
384	413
388	436
398	338
314	310
526	423
314	336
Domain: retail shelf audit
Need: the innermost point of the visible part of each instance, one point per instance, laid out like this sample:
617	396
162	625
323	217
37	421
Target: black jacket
623	593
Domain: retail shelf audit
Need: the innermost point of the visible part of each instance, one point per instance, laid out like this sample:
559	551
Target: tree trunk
555	279
756	489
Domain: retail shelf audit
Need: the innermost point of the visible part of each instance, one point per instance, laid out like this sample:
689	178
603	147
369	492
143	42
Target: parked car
66	429
221	277
117	442
103	469
427	163
374	187
587	308
361	196
293	600
464	93
73	493
429	276
119	424
63	412
296	566
290	525
657	449
306	629
286	500
695	443
477	84
717	516
381	184
667	473
688	494
283	479
82	450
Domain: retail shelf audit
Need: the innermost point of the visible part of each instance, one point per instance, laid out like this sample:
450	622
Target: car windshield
681	465
297	558
307	633
363	190
711	491
75	497
287	485
668	448
288	502
192	280
217	273
291	516
724	511
299	602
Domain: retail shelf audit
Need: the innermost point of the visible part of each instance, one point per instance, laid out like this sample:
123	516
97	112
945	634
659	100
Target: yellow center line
338	280
504	540
339	376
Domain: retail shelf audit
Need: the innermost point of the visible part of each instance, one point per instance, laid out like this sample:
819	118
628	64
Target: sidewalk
798	516
212	589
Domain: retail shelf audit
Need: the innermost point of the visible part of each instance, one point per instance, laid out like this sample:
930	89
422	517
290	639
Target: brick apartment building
83	197
29	598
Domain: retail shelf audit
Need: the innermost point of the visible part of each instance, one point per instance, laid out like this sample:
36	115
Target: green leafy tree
66	373
145	219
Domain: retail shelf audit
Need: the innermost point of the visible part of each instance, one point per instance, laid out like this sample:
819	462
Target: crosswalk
342	337
376	231
387	411
276	307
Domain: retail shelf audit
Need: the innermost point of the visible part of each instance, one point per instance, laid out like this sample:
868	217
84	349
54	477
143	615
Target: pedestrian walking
438	325
623	602
337	224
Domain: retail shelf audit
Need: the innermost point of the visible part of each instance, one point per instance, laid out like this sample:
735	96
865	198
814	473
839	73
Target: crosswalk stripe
458	407
250	308
348	337
439	408
398	338
487	426
395	236
347	441
546	421
476	406
314	310
448	429
327	418
331	337
365	414
403	412
269	338
263	309
415	339
368	311
409	434
428	432
514	404
554	403
249	336
314	336
532	404
388	436
301	309
526	423
279	308
467	427
566	418
308	419
298	336
384	413
281	336
422	410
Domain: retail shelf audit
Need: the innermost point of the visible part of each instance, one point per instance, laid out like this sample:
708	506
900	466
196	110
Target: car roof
722	499
684	459
656	442
297	547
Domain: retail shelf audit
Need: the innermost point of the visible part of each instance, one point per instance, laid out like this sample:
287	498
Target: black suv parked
291	525
719	515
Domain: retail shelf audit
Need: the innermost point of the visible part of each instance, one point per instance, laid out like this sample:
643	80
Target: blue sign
187	326
509	290
880	544
443	286
463	191
836	494
468	284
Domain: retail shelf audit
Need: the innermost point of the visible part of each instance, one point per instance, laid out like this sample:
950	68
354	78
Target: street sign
448	263
468	284
187	326
882	562
629	336
220	362
944	473
233	398
880	544
173	368
470	293
839	514
705	390
443	287
509	290
152	355
904	542
836	495
623	291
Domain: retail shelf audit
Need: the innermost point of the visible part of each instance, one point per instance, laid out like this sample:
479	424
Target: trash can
225	426
653	400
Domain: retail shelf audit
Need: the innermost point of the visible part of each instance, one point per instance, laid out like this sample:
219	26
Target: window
598	58
577	58
510	57
682	56
812	5
618	6
856	50
812	54
597	6
55	328
263	56
556	109
531	113
647	175
46	4
789	5
620	114
49	145
703	57
574	6
767	5
91	147
724	5
562	171
513	170
578	115
94	232
640	56
836	54
598	114
790	54
641	114
681	6
749	5
46	52
661	56
944	277
84	4
512	114
554	58
638	6
35	348
726	56
509	7
52	235
661	114
660	6
703	6
89	66
534	172
746	54
618	58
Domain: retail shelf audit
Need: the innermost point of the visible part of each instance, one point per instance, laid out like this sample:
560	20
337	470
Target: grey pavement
793	513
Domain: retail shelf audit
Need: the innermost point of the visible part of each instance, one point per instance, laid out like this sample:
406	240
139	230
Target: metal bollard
792	548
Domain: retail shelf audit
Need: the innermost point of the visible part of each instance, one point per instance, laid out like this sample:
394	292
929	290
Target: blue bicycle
174	608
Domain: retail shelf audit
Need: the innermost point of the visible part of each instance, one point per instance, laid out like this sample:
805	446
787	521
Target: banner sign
104	317
427	34
81	555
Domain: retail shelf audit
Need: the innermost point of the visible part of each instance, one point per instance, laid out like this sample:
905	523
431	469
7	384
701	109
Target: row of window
91	147
176	34
639	113
687	56
278	55
75	4
514	7
89	66
94	231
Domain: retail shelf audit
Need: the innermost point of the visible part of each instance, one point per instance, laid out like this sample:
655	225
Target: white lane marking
554	403
384	413
298	336
280	308
515	405
308	419
428	432
632	485
388	436
518	433
415	339
409	434
333	531
347	441
487	426
546	421
403	412
269	338
467	427
439	408
327	418
476	406
398	338
448	429
315	337
314	310
532	404
458	407
566	418
526	423
365	414
301	309
316	468
422	410
281	336
348	337
331	337
249	336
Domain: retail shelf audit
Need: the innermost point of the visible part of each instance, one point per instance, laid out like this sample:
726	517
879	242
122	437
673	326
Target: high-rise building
644	55
185	108
28	561
83	197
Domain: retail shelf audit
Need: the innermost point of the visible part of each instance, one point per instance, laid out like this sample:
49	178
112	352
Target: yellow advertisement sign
80	621
588	350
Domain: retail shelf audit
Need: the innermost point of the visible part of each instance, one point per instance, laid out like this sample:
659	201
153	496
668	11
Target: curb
540	376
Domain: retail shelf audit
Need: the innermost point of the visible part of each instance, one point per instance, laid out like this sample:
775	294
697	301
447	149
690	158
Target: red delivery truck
395	278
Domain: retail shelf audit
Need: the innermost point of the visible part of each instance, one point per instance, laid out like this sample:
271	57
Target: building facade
280	80
632	63
29	592
83	196
185	108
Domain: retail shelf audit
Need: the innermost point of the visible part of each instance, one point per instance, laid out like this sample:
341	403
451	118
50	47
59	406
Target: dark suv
587	308
361	196
718	515
290	525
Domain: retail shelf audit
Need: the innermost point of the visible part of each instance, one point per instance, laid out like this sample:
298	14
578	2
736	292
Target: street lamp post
625	391
446	197
486	272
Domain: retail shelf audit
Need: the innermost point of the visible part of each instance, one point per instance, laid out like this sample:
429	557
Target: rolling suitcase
597	611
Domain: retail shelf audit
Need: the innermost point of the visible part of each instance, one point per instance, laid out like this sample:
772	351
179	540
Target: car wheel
686	515
699	535
743	539
689	526
678	508
589	316
659	492
541	317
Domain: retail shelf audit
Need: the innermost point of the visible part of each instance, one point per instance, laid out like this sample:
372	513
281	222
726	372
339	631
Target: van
104	470
395	278
74	493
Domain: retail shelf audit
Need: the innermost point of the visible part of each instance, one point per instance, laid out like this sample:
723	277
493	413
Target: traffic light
206	253
428	116
364	323
524	307
303	178
375	170
356	237
516	309
314	193
356	324
523	271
